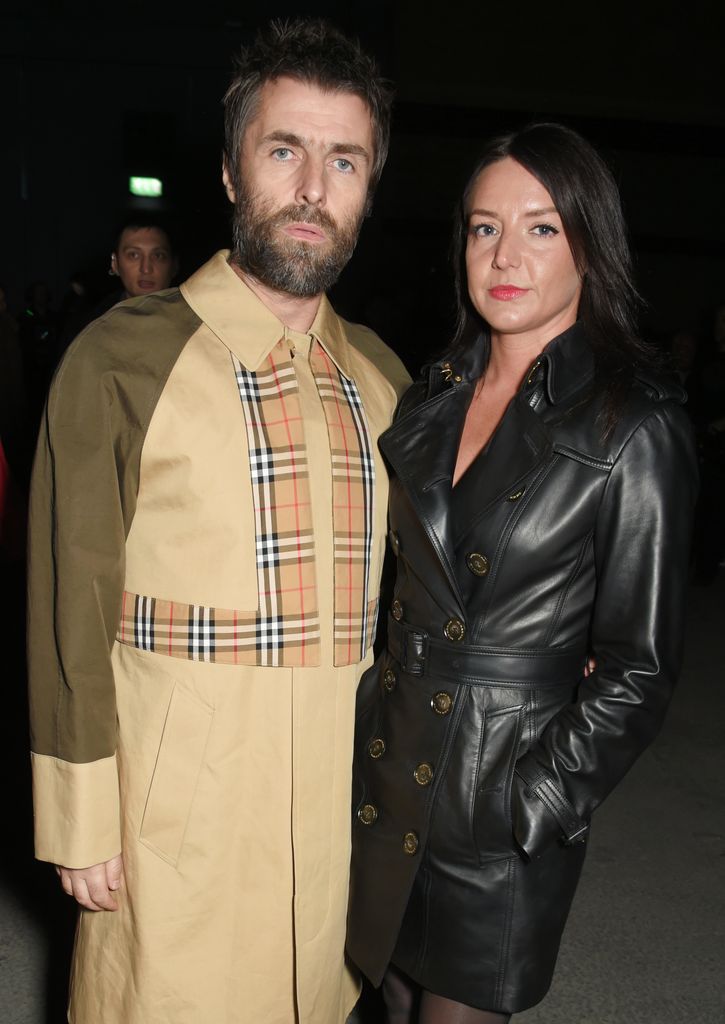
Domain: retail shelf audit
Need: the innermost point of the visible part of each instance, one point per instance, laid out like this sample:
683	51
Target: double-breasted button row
477	563
410	843
423	774
441	702
368	814
454	630
376	748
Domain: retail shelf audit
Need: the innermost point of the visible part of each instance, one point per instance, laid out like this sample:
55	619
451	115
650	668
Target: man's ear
113	269
227	179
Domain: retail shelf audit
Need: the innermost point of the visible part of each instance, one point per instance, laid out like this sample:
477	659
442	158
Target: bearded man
207	533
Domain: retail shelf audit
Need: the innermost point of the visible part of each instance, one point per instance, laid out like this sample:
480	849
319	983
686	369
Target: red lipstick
506	292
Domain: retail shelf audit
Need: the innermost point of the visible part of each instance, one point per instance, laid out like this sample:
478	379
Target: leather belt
421	655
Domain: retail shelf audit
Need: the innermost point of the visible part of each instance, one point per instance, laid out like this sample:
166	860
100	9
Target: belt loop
414	652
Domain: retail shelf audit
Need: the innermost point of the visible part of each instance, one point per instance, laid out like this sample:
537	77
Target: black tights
407	1003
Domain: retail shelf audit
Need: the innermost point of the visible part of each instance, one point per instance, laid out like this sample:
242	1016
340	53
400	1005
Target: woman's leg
439	1010
401	997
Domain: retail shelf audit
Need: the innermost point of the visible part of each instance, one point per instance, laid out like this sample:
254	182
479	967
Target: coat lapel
520	443
422	448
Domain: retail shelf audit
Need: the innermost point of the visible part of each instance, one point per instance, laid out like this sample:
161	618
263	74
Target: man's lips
147	284
506	292
304	231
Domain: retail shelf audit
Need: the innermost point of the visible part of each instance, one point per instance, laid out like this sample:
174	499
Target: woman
543	483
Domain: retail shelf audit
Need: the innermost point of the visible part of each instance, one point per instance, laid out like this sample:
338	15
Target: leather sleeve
641	551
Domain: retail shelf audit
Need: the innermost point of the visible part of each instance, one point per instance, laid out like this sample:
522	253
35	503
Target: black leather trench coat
481	751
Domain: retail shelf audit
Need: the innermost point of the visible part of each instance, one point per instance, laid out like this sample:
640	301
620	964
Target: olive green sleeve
83	495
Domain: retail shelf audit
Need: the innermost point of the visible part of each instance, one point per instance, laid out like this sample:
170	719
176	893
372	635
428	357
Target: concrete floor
646	939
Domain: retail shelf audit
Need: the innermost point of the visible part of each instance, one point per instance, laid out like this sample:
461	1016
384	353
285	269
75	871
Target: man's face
302	186
143	260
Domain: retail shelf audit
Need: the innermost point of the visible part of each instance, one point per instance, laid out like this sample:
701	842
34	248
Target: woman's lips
304	231
506	292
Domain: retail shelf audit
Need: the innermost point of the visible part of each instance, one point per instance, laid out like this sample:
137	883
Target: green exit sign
150	187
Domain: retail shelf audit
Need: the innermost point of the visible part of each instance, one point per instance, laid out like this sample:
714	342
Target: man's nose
146	263
311	187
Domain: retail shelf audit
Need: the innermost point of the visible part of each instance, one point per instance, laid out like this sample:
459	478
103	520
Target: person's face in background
143	260
522	278
304	174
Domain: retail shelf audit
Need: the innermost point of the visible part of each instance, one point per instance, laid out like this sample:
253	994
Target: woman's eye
483	230
545	230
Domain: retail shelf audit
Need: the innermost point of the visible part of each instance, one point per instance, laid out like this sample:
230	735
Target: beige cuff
77	815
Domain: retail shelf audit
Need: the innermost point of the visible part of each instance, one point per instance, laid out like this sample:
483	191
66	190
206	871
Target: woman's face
521	273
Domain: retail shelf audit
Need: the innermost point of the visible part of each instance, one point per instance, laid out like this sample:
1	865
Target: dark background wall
92	94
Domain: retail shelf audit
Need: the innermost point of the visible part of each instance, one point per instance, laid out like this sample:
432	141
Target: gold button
532	371
376	748
397	610
477	563
389	680
441	702
368	814
458	378
423	774
410	843
454	630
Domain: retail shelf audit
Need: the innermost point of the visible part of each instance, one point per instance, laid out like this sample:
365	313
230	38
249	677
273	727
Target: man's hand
93	887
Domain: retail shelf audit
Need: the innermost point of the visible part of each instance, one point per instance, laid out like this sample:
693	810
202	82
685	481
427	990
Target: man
143	258
208	522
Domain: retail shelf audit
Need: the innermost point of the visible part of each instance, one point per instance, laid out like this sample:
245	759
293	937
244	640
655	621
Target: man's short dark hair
311	51
143	221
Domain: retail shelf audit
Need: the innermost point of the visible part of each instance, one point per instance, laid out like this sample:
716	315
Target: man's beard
298	268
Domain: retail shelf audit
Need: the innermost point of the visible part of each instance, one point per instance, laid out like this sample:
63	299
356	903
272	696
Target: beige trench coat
225	783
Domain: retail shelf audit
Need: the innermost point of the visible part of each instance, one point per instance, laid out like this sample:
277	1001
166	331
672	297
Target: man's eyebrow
352	148
289	138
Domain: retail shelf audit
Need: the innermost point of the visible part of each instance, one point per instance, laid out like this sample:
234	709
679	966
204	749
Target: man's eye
283	153
343	165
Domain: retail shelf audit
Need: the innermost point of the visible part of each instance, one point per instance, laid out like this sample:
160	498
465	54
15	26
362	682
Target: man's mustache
304	214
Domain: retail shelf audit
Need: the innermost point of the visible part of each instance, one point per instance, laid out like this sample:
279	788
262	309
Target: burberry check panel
353	493
284	544
206	634
285	629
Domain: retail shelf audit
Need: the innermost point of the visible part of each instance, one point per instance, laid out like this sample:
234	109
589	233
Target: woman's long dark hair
587	199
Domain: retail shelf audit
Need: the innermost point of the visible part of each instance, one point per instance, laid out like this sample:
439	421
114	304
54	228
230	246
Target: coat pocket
499	751
175	775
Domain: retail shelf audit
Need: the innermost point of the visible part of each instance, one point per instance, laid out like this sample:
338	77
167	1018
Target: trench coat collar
565	366
242	322
422	445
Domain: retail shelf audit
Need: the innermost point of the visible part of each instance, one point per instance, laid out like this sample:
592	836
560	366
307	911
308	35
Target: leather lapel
422	448
520	443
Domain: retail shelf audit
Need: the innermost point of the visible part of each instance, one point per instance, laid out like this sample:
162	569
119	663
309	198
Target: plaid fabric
353	492
285	629
212	634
